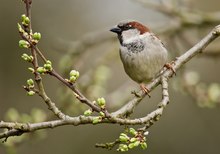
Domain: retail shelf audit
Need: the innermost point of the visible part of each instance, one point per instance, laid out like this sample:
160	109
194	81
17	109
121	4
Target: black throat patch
134	47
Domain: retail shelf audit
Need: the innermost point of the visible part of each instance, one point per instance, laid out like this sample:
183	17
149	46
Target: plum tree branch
38	77
36	51
15	129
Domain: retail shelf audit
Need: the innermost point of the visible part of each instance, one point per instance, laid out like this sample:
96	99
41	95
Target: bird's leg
169	66
144	89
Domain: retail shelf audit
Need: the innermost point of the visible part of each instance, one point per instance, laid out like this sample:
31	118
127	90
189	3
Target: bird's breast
142	61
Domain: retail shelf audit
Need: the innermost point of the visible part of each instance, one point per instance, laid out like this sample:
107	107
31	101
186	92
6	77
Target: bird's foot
170	66
145	90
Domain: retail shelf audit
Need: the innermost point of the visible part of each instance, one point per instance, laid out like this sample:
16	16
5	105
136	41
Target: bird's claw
145	90
170	66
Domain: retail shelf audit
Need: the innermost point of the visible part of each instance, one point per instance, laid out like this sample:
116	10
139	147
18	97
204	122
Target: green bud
143	145
136	143
23	16
72	79
24	44
133	139
48	67
37	36
74	73
120	147
30	93
123	147
30	82
132	131
131	146
20	29
25	20
88	112
48	62
27	57
31	69
31	58
41	70
101	102
123	138
102	114
96	120
123	134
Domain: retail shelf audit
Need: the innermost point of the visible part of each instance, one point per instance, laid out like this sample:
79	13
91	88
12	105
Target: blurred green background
184	127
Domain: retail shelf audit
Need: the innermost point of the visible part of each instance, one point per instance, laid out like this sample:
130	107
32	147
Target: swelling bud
143	145
27	57
41	70
88	112
30	82
30	93
23	44
37	36
101	102
74	75
25	20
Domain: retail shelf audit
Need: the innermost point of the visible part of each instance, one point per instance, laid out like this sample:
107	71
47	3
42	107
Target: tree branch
19	128
36	51
117	117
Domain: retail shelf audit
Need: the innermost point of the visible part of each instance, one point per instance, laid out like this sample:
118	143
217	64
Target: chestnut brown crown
126	25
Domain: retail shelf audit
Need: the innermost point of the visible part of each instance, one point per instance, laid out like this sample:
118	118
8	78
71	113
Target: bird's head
129	29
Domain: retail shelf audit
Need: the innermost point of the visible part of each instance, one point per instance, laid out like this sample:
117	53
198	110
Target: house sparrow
142	53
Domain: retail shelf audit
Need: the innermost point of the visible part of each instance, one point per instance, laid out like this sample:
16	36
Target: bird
142	53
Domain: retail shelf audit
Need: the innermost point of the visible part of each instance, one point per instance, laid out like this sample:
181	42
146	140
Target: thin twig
38	78
17	128
35	50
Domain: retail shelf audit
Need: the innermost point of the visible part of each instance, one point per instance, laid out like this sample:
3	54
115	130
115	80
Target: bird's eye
127	26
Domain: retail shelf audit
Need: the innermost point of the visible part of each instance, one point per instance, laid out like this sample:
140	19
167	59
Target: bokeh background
185	127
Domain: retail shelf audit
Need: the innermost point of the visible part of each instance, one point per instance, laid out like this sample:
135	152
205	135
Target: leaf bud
37	36
24	44
30	93
88	112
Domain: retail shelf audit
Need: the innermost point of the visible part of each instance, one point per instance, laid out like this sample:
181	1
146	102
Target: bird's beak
116	30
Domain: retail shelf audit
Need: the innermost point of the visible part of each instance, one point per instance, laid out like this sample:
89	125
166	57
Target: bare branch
117	117
198	48
36	51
